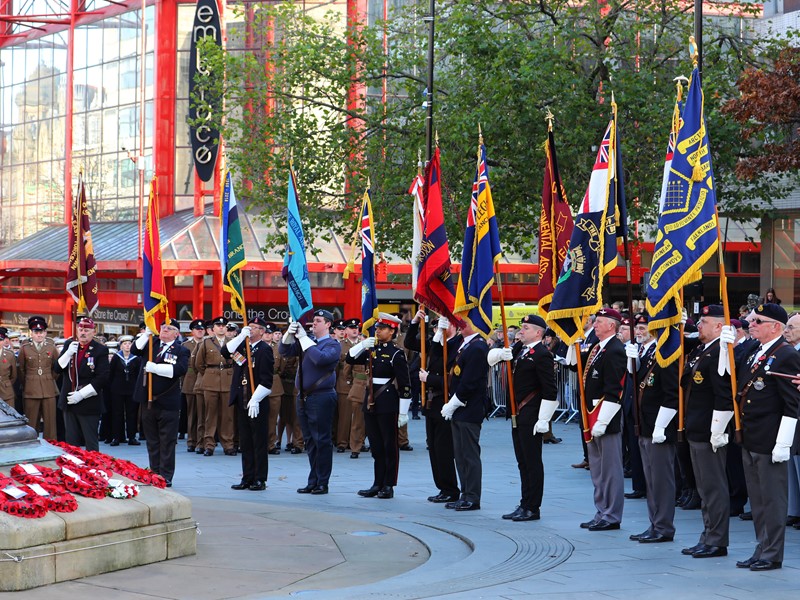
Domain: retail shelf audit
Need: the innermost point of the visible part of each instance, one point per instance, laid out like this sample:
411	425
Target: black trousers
161	431
81	430
382	434
528	450
439	436
124	417
254	442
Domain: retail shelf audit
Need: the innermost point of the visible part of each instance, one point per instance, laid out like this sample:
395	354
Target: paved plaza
277	543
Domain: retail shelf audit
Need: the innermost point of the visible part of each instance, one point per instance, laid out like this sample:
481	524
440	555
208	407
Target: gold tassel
697	172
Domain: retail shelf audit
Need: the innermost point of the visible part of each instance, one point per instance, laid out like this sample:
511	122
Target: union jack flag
369	294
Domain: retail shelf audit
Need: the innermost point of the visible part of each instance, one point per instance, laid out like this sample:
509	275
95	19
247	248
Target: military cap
550	333
219	321
37	323
713	310
339	324
271	327
534	320
231	326
772	311
172	323
3	333
640	319
325	314
208	324
125	338
86	323
197	324
112	344
609	313
352	323
260	322
736	323
387	320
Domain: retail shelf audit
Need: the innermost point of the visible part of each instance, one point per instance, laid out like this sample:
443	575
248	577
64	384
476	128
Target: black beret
713	310
534	320
640	319
260	321
172	323
772	311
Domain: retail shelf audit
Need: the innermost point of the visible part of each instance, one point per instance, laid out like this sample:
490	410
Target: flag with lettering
81	266
154	296
231	248
687	225
295	266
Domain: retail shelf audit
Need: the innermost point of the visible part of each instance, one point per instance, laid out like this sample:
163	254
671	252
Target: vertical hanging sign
203	105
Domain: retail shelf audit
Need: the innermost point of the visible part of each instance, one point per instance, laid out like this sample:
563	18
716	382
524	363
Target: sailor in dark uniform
247	395
769	408
386	401
535	392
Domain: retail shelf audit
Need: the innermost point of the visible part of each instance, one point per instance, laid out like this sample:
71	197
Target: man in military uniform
85	368
466	408
158	390
386	401
195	413
217	373
8	373
343	376
276	388
657	398
199	398
534	381
357	376
36	362
769	408
249	388
709	408
316	394
438	432
604	374
286	368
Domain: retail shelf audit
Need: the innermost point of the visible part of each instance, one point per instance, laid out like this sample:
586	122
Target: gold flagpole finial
480	135
549	117
369	185
436	137
679	82
291	158
693	54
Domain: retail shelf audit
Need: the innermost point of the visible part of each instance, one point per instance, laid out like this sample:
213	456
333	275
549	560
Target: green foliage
499	65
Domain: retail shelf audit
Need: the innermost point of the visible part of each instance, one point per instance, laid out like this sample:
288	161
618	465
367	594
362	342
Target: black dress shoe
454	504
190	448
588	524
386	492
305	490
242	485
442	499
746	516
297	450
181	436
257	486
364	448
230	452
199	450
552	440
406	448
746	564
340	450
134	442
792	521
169	483
527	515
603	525
711	552
275	451
465	505
208	453
637	536
319	490
370	492
116	443
655	538
635	495
354	455
517	511
415	418
692	550
693	503
766	565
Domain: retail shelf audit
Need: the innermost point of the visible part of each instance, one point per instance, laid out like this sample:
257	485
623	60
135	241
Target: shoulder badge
457	370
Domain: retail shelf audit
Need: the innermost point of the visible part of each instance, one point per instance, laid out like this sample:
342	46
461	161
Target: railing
567	386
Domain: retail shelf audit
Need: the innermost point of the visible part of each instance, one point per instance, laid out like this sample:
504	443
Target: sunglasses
758	321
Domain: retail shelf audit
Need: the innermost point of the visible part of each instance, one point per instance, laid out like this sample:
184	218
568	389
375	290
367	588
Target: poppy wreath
46	475
90	482
123	491
123	467
30	506
59	500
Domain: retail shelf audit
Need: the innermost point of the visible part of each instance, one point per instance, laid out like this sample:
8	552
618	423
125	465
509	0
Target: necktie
589	361
757	355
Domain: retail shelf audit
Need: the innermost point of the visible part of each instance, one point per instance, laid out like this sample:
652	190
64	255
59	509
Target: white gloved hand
451	407
423	376
441	327
259	394
402	420
546	410
718	440
719	423
572	356
305	341
71	351
402	417
235	342
288	337
727	335
86	391
362	346
497	355
663	419
160	369
783	443
300	333
246	331
631	350
253	406
684	316
608	411
143	338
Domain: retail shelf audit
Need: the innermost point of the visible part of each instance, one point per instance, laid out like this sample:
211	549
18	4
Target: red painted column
164	80
198	297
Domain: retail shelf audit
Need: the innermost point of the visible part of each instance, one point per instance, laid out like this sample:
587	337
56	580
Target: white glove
726	336
253	406
300	333
441	327
719	423
234	343
86	391
546	410
497	355
159	369
362	346
684	316
423	376
305	341
142	338
402	420
560	360
64	359
259	394
783	443
631	350
663	419
607	412
452	406
572	357
288	337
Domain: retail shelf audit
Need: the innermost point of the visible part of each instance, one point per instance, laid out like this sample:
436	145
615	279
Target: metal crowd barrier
498	389
567	386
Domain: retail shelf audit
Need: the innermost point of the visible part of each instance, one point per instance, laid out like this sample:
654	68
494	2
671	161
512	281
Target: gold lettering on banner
698	207
695	138
673	260
662	251
691	243
591	229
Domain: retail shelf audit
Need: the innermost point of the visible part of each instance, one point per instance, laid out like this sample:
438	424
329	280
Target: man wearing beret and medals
769	406
535	390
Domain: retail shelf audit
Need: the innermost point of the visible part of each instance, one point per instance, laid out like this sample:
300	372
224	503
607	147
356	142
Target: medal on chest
698	377
759	384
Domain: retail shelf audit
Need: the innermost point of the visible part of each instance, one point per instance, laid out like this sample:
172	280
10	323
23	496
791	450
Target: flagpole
431	18
584	413
681	399
78	240
423	355
248	351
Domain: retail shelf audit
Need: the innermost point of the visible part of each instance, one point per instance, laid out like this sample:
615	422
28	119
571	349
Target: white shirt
466	341
764	348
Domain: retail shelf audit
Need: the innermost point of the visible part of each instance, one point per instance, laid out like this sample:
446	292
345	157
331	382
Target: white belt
380	380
